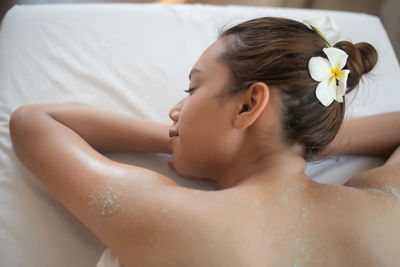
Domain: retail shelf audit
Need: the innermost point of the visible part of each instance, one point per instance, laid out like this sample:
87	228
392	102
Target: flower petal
325	91
331	31
326	26
341	88
320	68
317	21
337	57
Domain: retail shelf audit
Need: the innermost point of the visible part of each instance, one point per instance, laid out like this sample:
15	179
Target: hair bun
362	58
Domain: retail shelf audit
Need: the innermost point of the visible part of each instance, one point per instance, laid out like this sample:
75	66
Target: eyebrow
192	72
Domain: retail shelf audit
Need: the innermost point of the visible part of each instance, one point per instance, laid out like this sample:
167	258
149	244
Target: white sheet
108	259
133	59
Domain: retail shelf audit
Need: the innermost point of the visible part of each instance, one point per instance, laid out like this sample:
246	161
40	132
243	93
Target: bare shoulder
359	226
373	219
368	215
157	224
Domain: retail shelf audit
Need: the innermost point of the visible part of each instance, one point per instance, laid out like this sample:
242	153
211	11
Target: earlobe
252	104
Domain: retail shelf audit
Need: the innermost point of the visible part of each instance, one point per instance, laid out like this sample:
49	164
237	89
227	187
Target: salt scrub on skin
393	190
107	201
303	258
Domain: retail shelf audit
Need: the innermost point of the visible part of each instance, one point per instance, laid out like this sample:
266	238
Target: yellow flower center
336	73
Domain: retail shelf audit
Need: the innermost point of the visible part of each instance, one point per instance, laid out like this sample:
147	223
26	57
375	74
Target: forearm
377	135
109	131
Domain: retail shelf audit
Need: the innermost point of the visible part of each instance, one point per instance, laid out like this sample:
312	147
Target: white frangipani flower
325	27
333	80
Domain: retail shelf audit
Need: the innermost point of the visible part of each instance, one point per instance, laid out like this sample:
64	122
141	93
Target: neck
281	165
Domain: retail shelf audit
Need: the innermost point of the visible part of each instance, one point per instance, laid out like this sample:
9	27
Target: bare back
299	224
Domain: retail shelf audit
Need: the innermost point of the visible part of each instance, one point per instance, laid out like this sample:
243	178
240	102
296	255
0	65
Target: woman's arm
109	131
376	135
121	204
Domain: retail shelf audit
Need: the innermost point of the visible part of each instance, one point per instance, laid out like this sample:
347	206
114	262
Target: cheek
194	133
197	126
201	141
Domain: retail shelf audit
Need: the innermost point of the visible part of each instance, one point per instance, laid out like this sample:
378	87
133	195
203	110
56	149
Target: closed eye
190	90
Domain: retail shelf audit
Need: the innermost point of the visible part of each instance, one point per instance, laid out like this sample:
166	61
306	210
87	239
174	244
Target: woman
260	104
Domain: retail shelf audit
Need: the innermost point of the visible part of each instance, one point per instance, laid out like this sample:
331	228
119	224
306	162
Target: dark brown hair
277	51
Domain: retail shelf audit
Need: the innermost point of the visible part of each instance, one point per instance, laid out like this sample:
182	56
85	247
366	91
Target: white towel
108	259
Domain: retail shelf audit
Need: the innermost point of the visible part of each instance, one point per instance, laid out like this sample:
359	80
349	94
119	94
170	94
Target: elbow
24	111
18	116
17	119
21	120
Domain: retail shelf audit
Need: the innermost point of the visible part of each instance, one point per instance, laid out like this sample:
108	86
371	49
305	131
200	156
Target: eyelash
190	90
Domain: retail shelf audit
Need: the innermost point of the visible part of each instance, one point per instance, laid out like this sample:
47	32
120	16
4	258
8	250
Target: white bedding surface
133	59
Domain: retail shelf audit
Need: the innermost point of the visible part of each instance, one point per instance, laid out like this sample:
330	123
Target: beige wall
270	3
365	6
390	16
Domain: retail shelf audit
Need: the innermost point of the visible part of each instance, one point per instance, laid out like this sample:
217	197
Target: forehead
208	63
214	50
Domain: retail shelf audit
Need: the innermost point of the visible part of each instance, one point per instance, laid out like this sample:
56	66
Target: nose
176	110
174	114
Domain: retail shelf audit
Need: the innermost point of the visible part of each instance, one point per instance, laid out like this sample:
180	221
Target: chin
184	172
184	165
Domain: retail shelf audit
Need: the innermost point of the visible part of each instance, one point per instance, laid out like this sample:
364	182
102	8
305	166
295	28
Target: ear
251	105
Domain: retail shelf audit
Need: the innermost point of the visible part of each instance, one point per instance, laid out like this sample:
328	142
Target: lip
173	133
172	138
